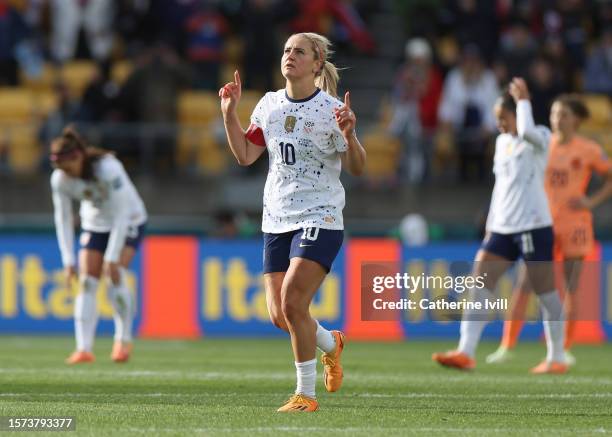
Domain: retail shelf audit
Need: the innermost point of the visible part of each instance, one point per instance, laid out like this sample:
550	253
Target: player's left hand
518	89
578	203
345	117
112	271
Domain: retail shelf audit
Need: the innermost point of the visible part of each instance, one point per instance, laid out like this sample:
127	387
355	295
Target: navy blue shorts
533	245
99	240
315	244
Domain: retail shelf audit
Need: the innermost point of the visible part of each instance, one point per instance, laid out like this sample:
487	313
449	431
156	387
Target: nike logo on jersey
306	245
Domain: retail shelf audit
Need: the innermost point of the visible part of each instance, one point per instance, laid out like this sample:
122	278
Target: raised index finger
347	100
237	78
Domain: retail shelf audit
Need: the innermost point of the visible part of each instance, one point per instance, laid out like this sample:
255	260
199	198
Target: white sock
85	314
123	314
552	315
474	322
325	339
306	377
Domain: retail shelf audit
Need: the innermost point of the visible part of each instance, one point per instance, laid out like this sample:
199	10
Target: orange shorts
574	236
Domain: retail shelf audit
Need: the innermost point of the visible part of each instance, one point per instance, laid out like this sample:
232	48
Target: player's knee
292	310
279	321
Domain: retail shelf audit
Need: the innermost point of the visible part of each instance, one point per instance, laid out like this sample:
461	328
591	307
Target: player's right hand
230	95
69	275
518	89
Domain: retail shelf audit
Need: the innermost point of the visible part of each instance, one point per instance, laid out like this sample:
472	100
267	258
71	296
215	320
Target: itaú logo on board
229	289
27	288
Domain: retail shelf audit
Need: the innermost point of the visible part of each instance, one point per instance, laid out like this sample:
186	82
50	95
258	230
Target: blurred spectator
544	87
598	74
518	47
322	15
567	18
67	112
226	225
98	101
466	110
149	96
416	96
95	17
259	19
554	49
13	30
500	70
420	16
413	230
205	32
473	22
603	16
137	25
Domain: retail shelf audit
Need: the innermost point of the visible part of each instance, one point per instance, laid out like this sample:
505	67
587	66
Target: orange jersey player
571	163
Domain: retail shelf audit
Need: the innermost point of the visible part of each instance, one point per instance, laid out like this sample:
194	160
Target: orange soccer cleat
79	357
332	369
551	367
299	403
121	352
454	359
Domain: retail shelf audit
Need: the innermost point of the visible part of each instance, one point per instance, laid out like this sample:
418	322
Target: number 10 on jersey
287	153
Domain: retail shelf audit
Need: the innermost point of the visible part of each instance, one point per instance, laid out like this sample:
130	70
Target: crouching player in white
112	221
519	225
310	136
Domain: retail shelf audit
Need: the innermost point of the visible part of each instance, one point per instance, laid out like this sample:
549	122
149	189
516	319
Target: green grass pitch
233	387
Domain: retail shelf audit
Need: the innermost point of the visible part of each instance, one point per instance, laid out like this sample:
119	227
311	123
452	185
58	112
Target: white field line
348	395
354	430
367	377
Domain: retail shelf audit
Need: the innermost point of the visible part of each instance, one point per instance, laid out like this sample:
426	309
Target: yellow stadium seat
606	143
198	107
197	144
77	75
16	104
185	146
24	149
383	154
212	159
227	73
121	70
248	101
43	82
600	109
45	102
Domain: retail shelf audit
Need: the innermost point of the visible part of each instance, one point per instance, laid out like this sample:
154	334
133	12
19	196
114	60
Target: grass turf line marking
347	395
360	376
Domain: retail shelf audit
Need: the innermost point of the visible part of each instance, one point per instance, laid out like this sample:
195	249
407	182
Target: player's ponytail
327	77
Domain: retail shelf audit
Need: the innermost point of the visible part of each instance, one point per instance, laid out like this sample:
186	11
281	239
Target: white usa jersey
109	203
304	145
519	201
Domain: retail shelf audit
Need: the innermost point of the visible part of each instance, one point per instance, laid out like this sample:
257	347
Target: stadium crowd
118	63
462	52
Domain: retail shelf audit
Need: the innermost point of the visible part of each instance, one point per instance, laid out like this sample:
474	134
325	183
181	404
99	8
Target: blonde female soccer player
519	225
573	159
112	221
310	136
